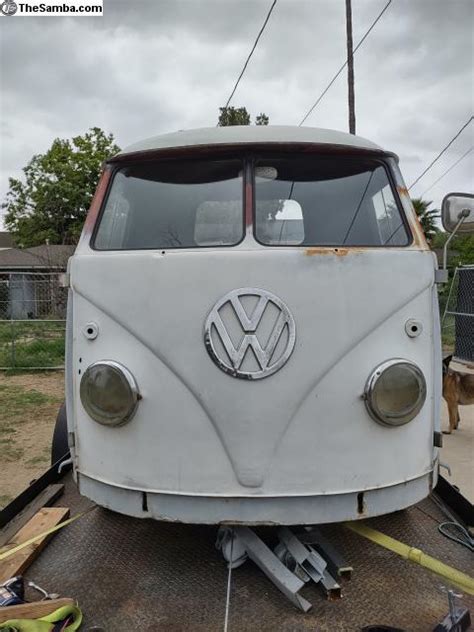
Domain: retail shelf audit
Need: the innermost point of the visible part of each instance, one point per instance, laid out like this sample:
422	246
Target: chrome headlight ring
395	392
109	393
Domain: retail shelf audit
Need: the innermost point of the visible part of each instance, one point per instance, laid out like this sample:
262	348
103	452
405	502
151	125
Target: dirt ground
29	404
28	407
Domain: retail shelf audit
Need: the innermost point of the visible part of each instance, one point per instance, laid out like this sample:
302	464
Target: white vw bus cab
253	332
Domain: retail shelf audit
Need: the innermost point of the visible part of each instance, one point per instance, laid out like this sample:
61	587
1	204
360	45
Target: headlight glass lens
109	393
395	392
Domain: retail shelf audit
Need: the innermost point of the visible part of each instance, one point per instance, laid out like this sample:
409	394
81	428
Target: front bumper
256	510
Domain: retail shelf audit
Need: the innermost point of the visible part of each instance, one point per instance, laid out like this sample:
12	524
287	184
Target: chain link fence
458	316
32	320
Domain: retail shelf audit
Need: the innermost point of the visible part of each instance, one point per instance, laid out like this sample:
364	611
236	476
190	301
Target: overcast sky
152	66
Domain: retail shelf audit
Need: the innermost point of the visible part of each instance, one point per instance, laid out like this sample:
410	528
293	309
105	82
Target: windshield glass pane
326	201
185	204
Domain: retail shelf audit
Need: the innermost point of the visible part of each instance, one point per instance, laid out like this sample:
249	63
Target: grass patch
32	344
16	400
18	406
28	408
10	454
25	330
4	429
38	460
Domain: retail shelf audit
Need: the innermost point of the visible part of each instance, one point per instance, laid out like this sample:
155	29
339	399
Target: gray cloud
151	67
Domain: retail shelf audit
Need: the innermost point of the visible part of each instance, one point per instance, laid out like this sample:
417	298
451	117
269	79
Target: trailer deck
131	574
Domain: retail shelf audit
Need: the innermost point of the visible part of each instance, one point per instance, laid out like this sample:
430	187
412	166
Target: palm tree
427	218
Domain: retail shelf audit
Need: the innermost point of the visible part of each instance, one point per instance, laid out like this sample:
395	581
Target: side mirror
457	215
457	207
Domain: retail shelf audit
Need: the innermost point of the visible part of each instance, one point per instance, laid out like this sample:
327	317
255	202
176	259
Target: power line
250	54
447	171
441	152
316	103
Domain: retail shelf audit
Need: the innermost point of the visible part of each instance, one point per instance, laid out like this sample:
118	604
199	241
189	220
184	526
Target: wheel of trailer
60	448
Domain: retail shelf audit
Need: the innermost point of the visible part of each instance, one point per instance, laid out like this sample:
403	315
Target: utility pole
350	68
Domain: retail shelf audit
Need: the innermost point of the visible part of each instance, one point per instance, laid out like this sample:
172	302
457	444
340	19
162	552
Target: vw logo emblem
250	333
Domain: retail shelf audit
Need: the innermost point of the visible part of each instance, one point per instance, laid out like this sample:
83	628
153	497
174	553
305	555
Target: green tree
239	116
52	202
262	119
460	249
427	218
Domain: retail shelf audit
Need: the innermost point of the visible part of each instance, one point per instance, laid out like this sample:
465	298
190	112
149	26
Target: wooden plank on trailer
42	521
34	610
44	499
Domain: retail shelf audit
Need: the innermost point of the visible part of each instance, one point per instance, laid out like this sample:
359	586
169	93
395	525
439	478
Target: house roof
250	134
6	240
39	257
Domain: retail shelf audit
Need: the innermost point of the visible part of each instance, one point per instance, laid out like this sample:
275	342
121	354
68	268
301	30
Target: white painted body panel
302	432
244	134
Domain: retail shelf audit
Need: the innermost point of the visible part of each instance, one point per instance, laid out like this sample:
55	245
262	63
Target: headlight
109	393
395	392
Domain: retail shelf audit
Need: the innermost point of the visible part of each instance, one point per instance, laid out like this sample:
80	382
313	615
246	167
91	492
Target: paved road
458	448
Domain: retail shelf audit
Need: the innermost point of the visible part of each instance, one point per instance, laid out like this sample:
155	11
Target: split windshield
299	200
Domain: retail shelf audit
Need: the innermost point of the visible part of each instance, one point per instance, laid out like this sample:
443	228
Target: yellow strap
43	624
452	575
62	613
8	552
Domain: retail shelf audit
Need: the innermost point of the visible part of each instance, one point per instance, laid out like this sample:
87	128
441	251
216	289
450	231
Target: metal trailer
131	574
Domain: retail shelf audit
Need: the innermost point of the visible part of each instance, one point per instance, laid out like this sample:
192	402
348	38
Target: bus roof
250	135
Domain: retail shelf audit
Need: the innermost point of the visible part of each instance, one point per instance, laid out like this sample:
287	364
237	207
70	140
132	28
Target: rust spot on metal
96	203
339	252
248	204
418	232
419	239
